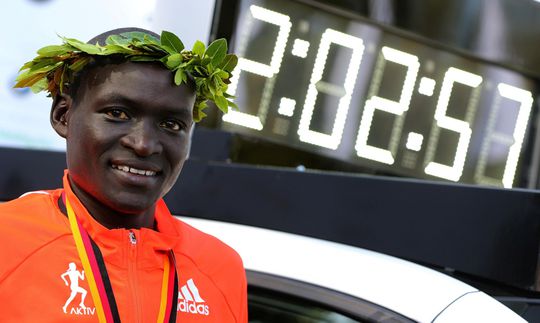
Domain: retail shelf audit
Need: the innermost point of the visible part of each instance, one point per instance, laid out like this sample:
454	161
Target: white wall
28	25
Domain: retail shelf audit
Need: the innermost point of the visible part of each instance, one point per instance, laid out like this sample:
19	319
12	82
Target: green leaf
42	62
62	78
222	103
194	59
232	105
23	75
153	49
53	50
180	77
201	71
212	90
206	61
79	64
139	35
223	74
143	58
57	75
30	80
198	113
173	61
44	68
171	41
217	50
151	39
83	47
116	40
115	49
217	84
39	86
198	48
168	49
27	65
229	62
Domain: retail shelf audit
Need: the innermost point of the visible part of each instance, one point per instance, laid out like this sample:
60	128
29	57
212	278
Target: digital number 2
387	155
266	70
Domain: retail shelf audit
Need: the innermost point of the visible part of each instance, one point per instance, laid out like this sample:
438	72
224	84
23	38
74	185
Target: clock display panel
349	89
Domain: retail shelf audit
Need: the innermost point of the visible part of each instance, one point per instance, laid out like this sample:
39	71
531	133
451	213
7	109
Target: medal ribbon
100	285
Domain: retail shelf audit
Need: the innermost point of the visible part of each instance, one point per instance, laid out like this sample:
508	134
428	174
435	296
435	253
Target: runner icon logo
74	275
190	301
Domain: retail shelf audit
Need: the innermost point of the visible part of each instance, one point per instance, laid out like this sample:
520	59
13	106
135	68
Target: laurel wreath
211	67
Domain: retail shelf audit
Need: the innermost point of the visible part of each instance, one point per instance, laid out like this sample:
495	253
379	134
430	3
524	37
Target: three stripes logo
190	301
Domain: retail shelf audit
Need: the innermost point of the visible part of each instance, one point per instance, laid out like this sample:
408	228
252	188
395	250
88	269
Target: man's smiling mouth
135	171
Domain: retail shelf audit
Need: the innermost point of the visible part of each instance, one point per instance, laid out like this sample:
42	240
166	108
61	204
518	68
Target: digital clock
347	88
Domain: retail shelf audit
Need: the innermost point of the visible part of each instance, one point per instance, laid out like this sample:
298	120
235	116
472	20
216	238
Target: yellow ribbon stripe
164	291
85	262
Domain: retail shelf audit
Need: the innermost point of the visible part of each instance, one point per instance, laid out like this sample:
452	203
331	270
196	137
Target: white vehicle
294	278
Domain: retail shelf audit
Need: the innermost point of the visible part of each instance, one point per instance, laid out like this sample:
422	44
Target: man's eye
171	125
117	114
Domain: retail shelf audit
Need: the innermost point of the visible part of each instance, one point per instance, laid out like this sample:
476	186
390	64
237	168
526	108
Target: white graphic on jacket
74	275
190	301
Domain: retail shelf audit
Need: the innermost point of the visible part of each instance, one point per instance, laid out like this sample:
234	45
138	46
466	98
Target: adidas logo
190	301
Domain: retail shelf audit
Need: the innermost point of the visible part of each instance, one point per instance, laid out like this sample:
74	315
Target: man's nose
143	139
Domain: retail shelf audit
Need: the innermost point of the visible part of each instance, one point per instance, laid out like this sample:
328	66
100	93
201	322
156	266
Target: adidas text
193	308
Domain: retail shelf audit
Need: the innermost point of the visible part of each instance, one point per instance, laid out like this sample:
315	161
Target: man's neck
112	219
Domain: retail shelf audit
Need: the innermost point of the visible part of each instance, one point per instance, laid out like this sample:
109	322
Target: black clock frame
225	15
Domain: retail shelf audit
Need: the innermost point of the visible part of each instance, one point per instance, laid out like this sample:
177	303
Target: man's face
128	135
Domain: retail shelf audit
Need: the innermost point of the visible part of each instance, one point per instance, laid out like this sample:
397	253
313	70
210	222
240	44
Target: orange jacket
41	273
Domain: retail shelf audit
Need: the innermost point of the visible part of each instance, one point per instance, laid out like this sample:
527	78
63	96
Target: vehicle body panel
414	291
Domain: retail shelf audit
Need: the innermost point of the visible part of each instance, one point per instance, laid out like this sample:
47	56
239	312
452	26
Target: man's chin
131	208
128	202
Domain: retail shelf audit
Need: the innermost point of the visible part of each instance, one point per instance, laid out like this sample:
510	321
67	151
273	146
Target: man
126	108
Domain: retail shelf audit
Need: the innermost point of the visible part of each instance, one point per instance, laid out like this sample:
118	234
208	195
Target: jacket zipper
132	273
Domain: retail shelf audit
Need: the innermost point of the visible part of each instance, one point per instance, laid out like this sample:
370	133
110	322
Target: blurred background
31	24
431	107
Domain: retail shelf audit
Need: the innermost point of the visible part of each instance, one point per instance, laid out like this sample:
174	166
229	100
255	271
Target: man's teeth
132	170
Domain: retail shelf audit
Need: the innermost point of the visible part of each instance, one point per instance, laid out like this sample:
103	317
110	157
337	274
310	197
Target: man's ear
60	110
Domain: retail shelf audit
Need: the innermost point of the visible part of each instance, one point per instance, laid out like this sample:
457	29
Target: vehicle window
267	306
274	298
528	308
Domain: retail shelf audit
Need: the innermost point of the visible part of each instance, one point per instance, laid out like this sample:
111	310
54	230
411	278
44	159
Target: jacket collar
150	242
